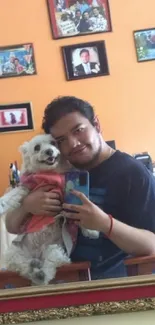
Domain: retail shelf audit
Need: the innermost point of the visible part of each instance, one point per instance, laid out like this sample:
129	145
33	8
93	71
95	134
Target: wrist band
111	225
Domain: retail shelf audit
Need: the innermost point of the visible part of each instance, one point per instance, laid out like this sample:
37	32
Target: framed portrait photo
17	61
78	17
145	44
16	117
85	60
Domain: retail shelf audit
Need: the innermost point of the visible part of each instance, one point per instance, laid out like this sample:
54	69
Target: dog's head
42	154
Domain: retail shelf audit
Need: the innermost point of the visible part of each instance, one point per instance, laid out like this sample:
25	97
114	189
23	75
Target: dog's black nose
49	152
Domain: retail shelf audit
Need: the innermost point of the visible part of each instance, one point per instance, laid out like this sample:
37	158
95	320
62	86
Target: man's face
95	12
86	16
78	14
85	57
78	140
16	62
12	59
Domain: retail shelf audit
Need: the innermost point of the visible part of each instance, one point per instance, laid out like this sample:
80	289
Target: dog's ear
24	148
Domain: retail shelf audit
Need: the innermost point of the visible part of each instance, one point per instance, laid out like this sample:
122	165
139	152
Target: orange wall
124	101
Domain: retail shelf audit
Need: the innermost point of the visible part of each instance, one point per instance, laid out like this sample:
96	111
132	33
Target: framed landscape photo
78	17
85	60
17	61
16	117
145	44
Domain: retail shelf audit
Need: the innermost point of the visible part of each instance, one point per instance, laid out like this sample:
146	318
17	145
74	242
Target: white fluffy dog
38	250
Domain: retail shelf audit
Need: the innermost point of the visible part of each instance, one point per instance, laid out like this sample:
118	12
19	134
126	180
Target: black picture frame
16	117
75	72
55	18
144	40
17	61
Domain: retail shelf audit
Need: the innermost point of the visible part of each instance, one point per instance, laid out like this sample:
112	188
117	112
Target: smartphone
79	181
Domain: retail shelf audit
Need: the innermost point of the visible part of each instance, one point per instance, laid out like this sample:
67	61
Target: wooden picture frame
17	61
145	44
66	22
16	117
79	57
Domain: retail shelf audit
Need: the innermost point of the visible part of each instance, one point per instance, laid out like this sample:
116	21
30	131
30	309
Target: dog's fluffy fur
37	255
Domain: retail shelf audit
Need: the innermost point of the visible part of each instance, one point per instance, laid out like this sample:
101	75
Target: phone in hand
79	181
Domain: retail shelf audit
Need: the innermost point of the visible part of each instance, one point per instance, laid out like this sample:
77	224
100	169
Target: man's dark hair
83	51
62	106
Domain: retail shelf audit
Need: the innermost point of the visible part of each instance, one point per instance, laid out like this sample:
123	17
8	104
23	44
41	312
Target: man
86	67
85	23
122	192
99	23
77	18
9	66
66	25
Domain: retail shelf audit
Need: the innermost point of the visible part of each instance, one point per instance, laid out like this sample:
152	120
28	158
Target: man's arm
39	202
131	240
15	219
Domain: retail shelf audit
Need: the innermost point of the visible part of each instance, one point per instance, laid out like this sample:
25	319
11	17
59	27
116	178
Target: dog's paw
35	263
38	277
92	234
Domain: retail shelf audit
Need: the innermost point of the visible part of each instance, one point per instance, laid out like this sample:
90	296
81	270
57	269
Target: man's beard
91	163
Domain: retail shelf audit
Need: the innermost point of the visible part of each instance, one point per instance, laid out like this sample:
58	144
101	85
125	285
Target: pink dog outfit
36	223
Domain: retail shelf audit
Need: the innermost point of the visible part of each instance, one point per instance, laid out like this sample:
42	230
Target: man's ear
97	124
24	148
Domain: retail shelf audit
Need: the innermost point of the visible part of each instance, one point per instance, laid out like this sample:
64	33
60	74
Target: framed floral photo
145	44
85	60
78	17
17	61
16	117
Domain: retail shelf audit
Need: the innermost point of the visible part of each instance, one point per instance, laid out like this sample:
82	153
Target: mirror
79	270
124	104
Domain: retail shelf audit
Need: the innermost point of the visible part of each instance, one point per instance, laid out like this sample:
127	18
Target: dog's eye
37	147
53	143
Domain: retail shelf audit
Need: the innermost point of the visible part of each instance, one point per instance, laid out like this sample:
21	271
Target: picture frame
145	44
16	117
85	60
72	300
70	18
17	61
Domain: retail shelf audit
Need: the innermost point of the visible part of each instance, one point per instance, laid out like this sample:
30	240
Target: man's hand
87	215
42	202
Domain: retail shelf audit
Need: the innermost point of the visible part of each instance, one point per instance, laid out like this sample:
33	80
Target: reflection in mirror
79	200
91	258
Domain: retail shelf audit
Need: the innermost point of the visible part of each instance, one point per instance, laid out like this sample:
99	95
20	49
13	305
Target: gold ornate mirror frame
98	297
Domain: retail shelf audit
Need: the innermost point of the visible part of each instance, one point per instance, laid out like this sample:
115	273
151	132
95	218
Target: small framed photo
79	17
145	44
16	117
17	61
85	60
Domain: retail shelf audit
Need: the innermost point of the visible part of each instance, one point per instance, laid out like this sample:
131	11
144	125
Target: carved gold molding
77	287
103	308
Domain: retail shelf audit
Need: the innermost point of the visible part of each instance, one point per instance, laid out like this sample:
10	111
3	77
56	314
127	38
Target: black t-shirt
125	188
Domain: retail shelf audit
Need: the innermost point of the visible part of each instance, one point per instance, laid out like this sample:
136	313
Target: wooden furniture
140	265
73	272
68	273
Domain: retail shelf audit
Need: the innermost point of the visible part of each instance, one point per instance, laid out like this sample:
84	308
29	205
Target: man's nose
73	142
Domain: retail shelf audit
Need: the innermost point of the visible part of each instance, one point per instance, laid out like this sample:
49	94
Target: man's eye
79	130
60	141
37	147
